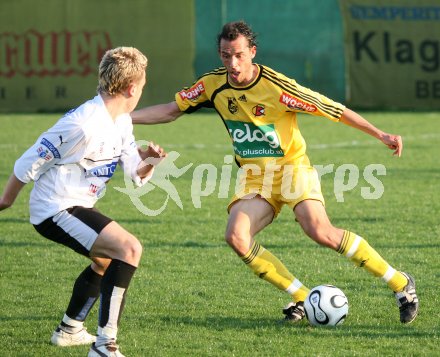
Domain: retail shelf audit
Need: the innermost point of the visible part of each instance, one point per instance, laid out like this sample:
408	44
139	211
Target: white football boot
63	339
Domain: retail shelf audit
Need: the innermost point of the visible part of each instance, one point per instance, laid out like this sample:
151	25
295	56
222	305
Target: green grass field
192	296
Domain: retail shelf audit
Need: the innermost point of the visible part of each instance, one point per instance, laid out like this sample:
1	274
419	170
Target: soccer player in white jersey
258	107
70	165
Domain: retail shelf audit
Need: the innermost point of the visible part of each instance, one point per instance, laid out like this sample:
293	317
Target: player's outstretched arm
10	193
353	119
156	114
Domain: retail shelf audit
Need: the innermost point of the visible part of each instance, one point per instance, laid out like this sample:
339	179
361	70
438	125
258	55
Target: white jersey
71	162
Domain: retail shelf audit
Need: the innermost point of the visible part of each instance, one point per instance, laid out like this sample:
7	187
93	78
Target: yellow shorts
289	185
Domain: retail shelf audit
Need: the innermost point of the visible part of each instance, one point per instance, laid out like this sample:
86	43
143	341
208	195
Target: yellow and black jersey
261	117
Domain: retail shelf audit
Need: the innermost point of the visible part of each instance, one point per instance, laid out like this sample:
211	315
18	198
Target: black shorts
76	227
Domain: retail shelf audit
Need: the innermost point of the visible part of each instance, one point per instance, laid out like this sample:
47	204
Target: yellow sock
363	255
268	267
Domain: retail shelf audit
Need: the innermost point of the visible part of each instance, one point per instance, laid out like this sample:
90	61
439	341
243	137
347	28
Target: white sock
70	325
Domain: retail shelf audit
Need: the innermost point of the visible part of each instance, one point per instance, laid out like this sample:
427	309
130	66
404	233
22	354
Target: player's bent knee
120	245
320	235
132	251
238	242
231	238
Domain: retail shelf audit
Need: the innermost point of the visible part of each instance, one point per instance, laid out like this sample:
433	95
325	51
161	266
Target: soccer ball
326	305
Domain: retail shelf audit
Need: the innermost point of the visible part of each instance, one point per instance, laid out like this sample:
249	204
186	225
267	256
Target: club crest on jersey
45	147
44	154
232	105
251	140
296	104
259	110
192	93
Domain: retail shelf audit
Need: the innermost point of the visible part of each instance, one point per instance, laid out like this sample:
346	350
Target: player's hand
394	142
153	154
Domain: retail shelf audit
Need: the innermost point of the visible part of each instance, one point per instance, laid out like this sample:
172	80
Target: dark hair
232	30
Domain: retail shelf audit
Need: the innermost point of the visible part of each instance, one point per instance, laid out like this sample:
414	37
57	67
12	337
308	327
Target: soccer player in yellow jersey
258	107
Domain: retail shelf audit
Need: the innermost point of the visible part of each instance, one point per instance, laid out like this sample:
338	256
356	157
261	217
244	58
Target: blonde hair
118	68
